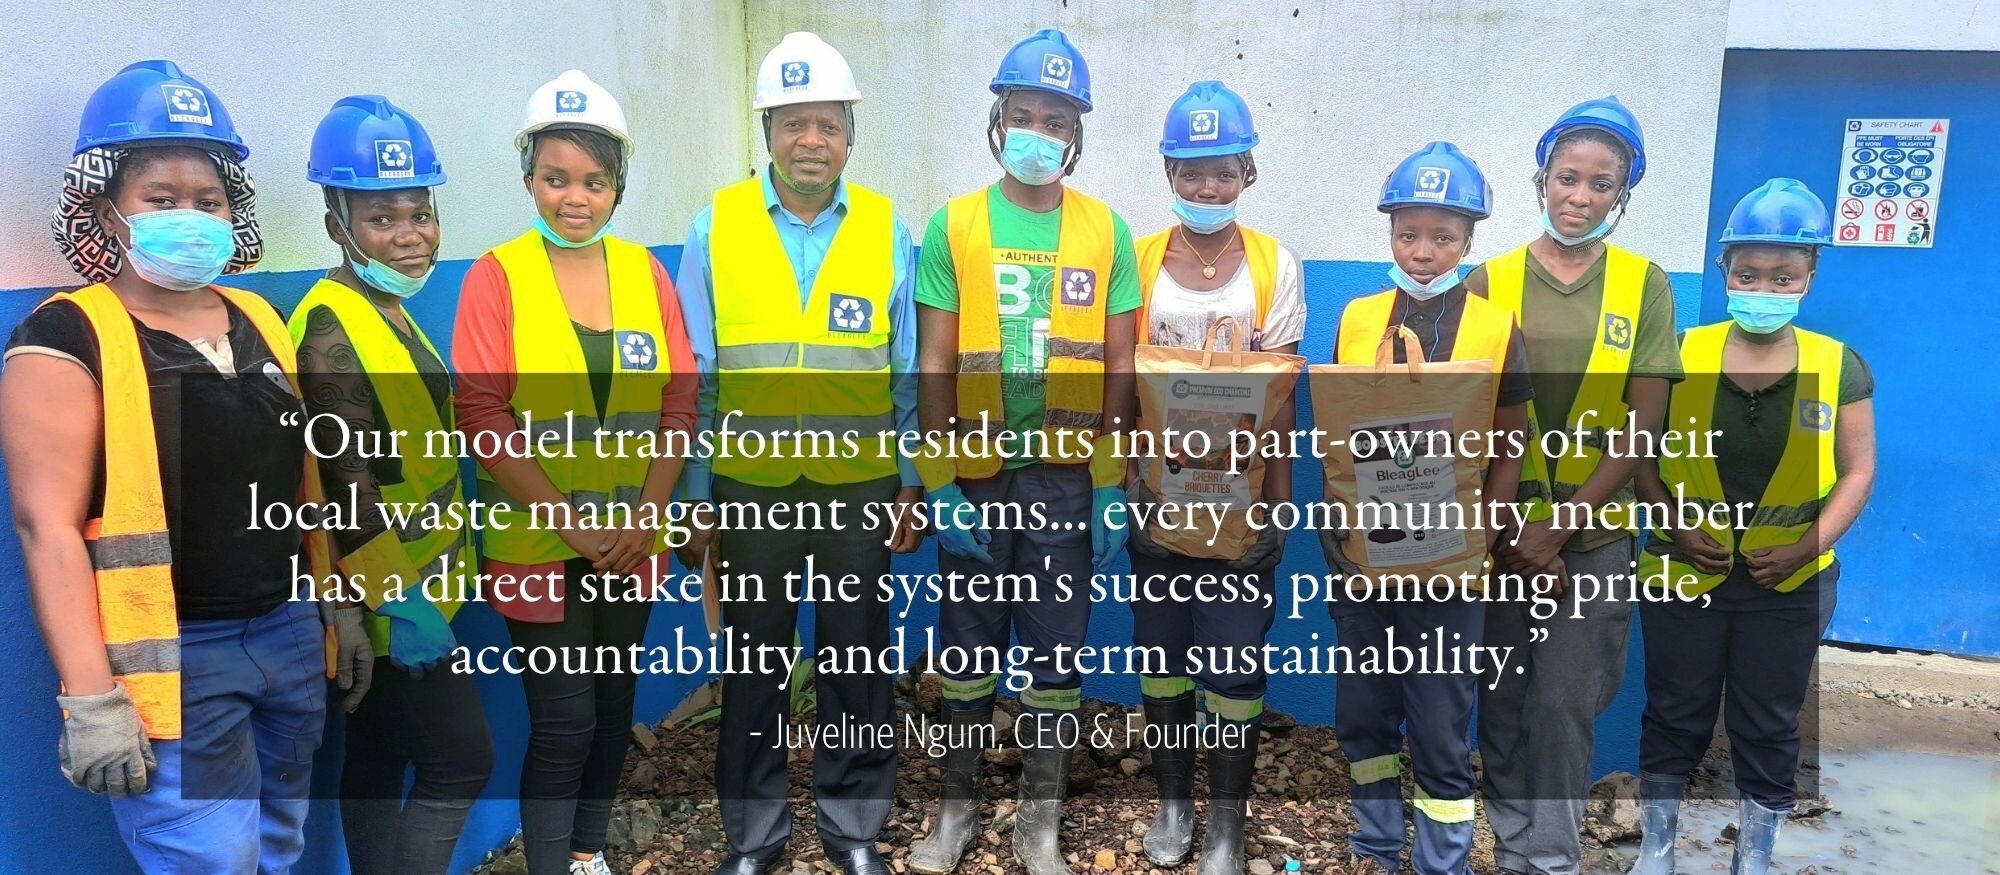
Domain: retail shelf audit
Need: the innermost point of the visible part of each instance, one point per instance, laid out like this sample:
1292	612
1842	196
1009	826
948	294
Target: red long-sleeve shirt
482	352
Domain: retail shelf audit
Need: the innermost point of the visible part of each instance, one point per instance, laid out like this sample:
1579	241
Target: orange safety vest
129	546
1260	250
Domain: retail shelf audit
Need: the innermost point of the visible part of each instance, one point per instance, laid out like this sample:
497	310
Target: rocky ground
666	821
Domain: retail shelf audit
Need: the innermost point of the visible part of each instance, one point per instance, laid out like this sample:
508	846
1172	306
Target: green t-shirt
1560	327
1024	293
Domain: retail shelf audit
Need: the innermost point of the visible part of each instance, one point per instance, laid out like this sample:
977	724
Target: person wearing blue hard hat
1791	462
1434	199
1207	268
1026	292
366	363
137	414
1599	324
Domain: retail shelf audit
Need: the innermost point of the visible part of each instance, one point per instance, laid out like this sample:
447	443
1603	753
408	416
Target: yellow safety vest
767	344
1259	249
1806	471
1600	399
130	549
410	552
552	384
1075	366
1484	330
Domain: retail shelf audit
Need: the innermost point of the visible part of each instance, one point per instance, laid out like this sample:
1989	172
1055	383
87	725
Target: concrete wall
1915	570
464	68
1932	25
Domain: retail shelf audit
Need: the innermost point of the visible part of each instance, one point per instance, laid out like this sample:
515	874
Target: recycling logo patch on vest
187	105
850	314
1815	415
393	160
1079	286
1617	331
571	101
636	351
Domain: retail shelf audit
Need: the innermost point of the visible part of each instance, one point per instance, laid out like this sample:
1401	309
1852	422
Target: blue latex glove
966	541
419	637
1106	541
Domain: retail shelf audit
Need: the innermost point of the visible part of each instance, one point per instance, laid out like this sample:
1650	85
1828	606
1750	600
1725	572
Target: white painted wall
1340	91
1928	25
464	67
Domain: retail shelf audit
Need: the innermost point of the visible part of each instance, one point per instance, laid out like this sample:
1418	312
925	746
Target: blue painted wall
1917	569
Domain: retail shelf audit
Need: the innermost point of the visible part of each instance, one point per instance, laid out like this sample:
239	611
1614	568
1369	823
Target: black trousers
1213	625
579	729
853	784
1751	657
435	725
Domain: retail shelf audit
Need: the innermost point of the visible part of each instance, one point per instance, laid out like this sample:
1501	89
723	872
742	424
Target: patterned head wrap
96	255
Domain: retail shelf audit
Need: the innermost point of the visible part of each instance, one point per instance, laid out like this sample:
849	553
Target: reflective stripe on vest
409	551
130	548
1600	398
1260	251
1805	475
552	389
1074	369
822	367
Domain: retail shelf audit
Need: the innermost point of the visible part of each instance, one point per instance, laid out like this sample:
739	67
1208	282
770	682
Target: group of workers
137	411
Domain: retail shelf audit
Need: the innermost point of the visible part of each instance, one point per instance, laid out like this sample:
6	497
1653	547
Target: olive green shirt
1559	323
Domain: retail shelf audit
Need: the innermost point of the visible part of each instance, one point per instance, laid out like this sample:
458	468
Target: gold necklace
1208	264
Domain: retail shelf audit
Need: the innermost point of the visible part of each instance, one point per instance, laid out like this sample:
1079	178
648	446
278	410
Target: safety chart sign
1891	179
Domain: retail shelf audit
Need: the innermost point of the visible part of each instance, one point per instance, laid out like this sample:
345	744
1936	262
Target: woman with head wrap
152	437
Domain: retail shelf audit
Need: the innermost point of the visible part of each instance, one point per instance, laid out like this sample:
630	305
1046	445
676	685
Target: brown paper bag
1189	390
1392	411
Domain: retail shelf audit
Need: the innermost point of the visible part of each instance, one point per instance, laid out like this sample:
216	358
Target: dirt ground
666	821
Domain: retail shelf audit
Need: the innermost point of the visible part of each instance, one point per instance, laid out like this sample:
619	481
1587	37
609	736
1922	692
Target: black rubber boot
957	822
1229	770
1172	835
1038	816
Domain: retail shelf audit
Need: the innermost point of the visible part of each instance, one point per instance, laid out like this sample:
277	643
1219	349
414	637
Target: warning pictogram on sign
1885	209
1850	232
1885	233
1850	208
1919	209
1937	127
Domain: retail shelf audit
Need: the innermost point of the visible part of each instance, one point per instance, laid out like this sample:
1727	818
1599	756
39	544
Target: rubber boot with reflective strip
1038	815
1755	834
1659	820
957	822
1229	771
1172	835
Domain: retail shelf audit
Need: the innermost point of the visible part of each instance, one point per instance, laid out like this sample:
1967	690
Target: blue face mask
181	250
1033	158
550	234
1423	291
1762	312
1204	218
381	276
1568	242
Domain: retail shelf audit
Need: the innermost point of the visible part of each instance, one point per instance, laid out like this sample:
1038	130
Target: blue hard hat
1209	119
1046	61
154	101
366	143
1438	175
1782	211
1605	114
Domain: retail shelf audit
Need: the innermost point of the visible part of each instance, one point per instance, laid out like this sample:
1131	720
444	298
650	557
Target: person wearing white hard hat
563	334
799	303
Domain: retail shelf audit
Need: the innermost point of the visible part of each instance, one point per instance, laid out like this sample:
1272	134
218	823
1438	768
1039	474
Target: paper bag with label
1195	406
1413	452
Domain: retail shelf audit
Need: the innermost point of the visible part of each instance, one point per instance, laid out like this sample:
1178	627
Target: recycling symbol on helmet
796	73
185	99
1431	182
570	101
186	104
636	349
1055	69
1204	124
394	154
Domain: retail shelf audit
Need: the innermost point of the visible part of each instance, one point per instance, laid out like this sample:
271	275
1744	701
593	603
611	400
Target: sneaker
593	866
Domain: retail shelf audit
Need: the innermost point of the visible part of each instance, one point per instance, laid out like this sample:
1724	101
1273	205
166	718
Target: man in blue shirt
790	371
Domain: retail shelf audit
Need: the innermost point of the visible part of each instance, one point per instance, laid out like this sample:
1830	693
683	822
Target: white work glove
353	653
104	748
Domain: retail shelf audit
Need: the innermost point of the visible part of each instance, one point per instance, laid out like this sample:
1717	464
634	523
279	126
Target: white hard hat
572	100
804	69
